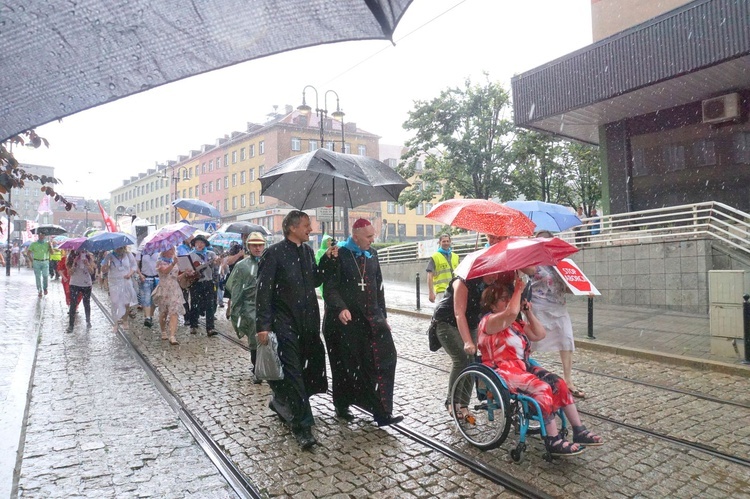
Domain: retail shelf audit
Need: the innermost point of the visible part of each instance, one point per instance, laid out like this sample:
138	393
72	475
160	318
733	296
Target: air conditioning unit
720	109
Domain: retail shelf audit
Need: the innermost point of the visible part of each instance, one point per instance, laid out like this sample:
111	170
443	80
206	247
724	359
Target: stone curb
596	346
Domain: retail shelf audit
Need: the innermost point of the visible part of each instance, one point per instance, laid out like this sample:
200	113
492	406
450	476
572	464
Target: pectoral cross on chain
362	284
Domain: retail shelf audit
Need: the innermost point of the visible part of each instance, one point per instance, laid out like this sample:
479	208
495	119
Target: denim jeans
41	274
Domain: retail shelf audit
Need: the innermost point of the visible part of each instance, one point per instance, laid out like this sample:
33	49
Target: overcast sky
439	43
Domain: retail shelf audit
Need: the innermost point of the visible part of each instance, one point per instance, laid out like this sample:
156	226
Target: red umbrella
482	215
514	254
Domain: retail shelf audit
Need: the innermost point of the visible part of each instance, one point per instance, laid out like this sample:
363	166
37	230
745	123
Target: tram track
685	443
236	480
244	488
649	384
477	466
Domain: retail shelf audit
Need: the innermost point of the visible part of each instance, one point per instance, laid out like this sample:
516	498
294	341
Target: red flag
111	225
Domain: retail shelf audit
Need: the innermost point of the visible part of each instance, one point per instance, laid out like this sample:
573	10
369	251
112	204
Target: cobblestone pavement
631	463
97	427
211	376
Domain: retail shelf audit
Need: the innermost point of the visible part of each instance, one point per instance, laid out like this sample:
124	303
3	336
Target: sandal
585	437
579	394
466	415
173	341
559	447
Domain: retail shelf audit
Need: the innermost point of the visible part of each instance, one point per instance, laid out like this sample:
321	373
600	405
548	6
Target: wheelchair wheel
489	405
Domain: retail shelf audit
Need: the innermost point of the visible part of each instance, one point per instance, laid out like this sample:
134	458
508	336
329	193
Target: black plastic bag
432	337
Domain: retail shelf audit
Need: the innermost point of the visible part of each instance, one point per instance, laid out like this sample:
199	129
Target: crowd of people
272	291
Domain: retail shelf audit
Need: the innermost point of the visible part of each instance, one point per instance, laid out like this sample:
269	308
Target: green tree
540	173
464	139
583	163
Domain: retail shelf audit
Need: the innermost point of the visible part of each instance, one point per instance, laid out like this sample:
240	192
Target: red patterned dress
507	352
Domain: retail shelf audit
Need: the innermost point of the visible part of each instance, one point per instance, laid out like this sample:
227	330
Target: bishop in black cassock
358	338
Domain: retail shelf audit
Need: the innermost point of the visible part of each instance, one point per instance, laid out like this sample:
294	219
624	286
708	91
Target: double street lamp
322	113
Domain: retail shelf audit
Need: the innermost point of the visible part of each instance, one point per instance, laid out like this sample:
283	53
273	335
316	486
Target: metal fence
707	219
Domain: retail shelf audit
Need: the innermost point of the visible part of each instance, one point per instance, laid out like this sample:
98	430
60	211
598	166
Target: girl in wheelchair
504	345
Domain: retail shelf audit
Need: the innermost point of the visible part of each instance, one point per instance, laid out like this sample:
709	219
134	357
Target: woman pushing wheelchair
504	343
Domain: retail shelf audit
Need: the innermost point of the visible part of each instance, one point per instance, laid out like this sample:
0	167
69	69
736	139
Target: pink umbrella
72	244
166	237
513	254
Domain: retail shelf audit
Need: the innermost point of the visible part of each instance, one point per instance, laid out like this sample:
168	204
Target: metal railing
708	219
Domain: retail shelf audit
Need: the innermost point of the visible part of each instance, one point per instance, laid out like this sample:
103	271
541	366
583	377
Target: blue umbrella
224	239
546	216
196	206
108	241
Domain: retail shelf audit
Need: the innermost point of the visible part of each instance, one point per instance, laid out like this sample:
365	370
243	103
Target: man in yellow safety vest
440	268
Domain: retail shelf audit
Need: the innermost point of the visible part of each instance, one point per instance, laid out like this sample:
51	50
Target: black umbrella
49	230
327	178
146	44
245	228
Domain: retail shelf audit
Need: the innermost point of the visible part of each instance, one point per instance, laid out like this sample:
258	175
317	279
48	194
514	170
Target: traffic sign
576	281
209	227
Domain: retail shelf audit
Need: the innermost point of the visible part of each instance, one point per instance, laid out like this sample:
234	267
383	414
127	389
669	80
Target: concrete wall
667	274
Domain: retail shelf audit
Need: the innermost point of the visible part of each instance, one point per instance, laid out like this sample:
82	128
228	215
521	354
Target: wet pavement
97	426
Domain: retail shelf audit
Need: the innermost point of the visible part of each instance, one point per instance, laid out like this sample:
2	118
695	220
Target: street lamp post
322	113
176	180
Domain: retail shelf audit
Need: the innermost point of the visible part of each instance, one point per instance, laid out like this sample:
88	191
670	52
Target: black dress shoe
344	413
388	420
305	438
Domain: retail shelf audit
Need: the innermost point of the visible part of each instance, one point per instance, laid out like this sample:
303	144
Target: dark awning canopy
59	58
692	53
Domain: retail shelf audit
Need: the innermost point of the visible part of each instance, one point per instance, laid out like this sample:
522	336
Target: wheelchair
494	409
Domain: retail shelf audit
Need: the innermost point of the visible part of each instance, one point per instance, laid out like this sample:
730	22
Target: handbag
432	337
267	362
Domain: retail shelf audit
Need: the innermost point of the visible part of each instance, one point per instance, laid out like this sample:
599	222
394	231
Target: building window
242	154
704	152
243	201
243	177
392	162
211	165
203	188
391	207
210	187
234	202
234	180
674	157
401	209
428	207
251	174
226	204
261	171
226	182
218	163
234	157
190	192
347	148
330	145
252	199
226	160
430	231
312	145
296	144
203	168
261	200
262	147
420	209
420	230
391	229
252	150
184	195
361	150
197	169
218	184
